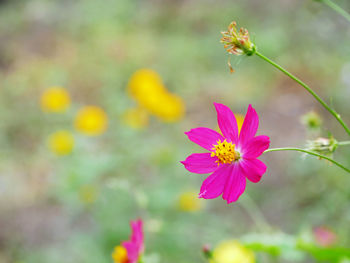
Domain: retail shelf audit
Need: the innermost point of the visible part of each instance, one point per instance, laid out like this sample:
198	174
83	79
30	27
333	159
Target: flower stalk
343	143
318	98
310	153
336	8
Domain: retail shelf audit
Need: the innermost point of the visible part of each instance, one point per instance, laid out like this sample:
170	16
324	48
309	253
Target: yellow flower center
225	151
120	255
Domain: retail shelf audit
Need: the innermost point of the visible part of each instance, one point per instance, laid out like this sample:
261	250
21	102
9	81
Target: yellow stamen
120	255
225	151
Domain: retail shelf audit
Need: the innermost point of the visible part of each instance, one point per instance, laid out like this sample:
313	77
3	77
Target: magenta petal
235	184
135	245
255	147
227	122
249	127
200	163
137	235
253	169
214	185
204	137
131	248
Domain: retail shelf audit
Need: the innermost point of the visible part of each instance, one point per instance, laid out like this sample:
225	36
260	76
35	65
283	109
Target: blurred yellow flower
120	255
232	252
88	194
239	119
189	202
146	87
144	83
136	118
91	120
61	142
169	107
55	99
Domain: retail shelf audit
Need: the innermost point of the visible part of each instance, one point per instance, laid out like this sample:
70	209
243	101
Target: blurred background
95	98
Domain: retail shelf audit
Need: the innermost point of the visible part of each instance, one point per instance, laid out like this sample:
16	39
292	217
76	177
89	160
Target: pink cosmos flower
324	236
130	251
232	156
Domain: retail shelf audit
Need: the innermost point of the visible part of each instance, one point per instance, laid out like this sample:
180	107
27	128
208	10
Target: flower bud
324	146
312	120
237	42
207	251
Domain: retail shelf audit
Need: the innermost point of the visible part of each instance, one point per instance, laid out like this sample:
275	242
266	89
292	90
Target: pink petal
204	137
235	184
255	147
135	246
200	163
249	127
213	186
132	252
137	235
227	122
253	169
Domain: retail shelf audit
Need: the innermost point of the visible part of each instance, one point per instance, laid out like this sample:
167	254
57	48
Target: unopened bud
207	251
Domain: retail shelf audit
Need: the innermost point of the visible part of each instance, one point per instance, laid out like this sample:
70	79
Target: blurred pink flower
232	156
130	251
324	236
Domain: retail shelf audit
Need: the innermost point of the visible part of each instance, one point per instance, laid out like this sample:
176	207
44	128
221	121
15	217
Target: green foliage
76	208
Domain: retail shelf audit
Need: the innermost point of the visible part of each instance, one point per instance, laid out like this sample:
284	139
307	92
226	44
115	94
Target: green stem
337	9
344	143
209	255
311	153
323	103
